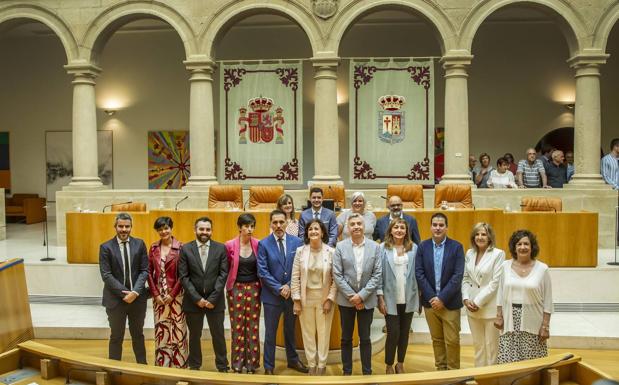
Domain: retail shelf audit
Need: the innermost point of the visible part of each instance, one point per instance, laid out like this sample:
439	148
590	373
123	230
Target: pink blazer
233	247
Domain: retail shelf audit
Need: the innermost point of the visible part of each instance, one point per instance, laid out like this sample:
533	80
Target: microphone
115	204
245	204
565	358
179	202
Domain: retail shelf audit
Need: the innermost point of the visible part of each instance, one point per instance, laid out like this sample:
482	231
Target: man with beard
203	270
395	211
123	264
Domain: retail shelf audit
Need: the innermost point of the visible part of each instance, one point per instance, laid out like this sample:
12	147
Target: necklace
523	268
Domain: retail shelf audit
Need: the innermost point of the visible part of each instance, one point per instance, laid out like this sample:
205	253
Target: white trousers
485	340
316	330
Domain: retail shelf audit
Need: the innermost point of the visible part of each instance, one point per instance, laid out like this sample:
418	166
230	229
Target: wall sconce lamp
569	106
109	112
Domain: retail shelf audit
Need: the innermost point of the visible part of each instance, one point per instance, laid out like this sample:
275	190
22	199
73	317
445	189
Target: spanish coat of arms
391	127
262	123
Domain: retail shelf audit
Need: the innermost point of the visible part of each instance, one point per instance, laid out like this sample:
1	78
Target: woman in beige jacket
313	293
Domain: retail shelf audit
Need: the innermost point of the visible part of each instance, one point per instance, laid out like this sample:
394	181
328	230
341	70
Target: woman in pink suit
243	293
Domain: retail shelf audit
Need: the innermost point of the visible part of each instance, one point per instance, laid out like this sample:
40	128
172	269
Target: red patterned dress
171	344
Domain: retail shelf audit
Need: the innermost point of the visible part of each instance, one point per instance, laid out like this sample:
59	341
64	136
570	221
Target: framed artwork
168	159
59	160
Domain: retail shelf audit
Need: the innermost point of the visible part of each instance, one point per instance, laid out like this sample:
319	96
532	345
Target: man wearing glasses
531	172
394	204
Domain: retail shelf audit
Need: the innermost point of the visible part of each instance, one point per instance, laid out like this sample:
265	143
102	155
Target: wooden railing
15	319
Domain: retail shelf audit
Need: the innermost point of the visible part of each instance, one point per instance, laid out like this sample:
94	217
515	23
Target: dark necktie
282	252
127	268
316	215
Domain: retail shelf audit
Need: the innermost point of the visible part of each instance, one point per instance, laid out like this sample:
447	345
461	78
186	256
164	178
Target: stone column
456	118
326	133
85	160
587	121
201	125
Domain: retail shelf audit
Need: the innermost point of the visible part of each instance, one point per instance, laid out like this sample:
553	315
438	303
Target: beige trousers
315	329
444	327
485	340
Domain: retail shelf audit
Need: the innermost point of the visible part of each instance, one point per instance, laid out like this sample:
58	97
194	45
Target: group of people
301	270
551	168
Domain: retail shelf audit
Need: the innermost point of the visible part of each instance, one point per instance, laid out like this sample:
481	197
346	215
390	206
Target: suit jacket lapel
196	255
117	253
445	257
411	262
390	257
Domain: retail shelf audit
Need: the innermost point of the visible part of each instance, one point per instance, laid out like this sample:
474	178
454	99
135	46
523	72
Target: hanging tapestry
5	169
392	121
261	123
168	159
59	160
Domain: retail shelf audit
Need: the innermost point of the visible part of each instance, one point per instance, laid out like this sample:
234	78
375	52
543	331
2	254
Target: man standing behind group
203	269
556	170
531	172
439	267
357	272
395	211
123	264
318	212
275	257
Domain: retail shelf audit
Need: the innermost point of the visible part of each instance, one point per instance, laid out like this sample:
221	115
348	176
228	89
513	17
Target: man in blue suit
395	211
275	257
317	211
439	267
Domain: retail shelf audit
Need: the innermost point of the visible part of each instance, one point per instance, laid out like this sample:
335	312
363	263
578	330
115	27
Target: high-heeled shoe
399	368
389	370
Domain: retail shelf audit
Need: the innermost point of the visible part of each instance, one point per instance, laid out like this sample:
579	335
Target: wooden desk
15	318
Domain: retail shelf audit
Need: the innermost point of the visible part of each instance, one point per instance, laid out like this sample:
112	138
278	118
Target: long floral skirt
171	344
520	345
244	309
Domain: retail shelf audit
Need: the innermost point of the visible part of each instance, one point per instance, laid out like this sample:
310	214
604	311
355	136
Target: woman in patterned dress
167	291
286	204
524	302
243	293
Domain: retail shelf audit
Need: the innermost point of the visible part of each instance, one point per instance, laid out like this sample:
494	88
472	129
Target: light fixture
109	112
569	106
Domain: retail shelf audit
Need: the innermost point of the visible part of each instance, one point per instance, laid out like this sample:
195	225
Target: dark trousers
364	322
398	327
117	317
195	324
272	314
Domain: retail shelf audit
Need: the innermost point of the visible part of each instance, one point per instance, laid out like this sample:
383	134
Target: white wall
514	74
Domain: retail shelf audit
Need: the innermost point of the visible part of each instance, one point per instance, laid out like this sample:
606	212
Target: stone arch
230	12
108	21
604	27
441	25
47	17
568	20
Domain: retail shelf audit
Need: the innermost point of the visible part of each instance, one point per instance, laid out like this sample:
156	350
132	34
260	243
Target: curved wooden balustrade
15	318
54	364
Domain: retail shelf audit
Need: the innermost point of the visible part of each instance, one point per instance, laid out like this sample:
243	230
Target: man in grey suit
123	264
357	272
203	270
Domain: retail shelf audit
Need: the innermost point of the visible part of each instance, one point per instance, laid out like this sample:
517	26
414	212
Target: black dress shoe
223	370
299	367
269	372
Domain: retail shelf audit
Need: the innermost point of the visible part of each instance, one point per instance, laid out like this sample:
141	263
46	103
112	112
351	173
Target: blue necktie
282	253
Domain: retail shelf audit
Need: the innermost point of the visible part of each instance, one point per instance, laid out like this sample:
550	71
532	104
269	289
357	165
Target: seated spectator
569	163
556	170
531	172
482	173
501	177
513	167
610	165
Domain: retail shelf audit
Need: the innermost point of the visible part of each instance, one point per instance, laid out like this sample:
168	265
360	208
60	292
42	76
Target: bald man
394	204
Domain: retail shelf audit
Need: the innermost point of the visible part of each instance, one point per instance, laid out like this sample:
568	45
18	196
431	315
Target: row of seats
265	197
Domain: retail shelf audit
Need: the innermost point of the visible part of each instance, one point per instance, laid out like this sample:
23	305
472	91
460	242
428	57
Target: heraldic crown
391	102
260	104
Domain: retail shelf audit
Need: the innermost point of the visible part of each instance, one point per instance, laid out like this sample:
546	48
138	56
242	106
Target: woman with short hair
357	205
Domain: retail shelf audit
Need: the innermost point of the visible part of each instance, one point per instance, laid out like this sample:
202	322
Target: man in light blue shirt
610	165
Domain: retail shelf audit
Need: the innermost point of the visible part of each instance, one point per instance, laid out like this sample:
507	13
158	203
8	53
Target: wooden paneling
15	318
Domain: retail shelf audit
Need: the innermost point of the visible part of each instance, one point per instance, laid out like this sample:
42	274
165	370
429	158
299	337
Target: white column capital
84	73
324	62
200	69
588	59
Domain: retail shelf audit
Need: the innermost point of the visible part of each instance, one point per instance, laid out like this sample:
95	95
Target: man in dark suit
317	211
123	263
395	211
439	267
203	270
275	257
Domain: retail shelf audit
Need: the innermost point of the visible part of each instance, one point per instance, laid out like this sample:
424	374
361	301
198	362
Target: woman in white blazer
398	296
482	273
313	292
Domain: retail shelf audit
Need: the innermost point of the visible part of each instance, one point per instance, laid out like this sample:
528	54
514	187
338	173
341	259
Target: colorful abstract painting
168	159
5	170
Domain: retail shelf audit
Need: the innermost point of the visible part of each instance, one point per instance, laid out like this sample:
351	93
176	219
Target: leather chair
225	196
335	192
411	194
456	195
554	204
264	197
29	206
135	207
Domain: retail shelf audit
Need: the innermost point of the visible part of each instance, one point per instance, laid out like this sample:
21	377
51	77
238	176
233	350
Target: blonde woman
482	273
313	292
